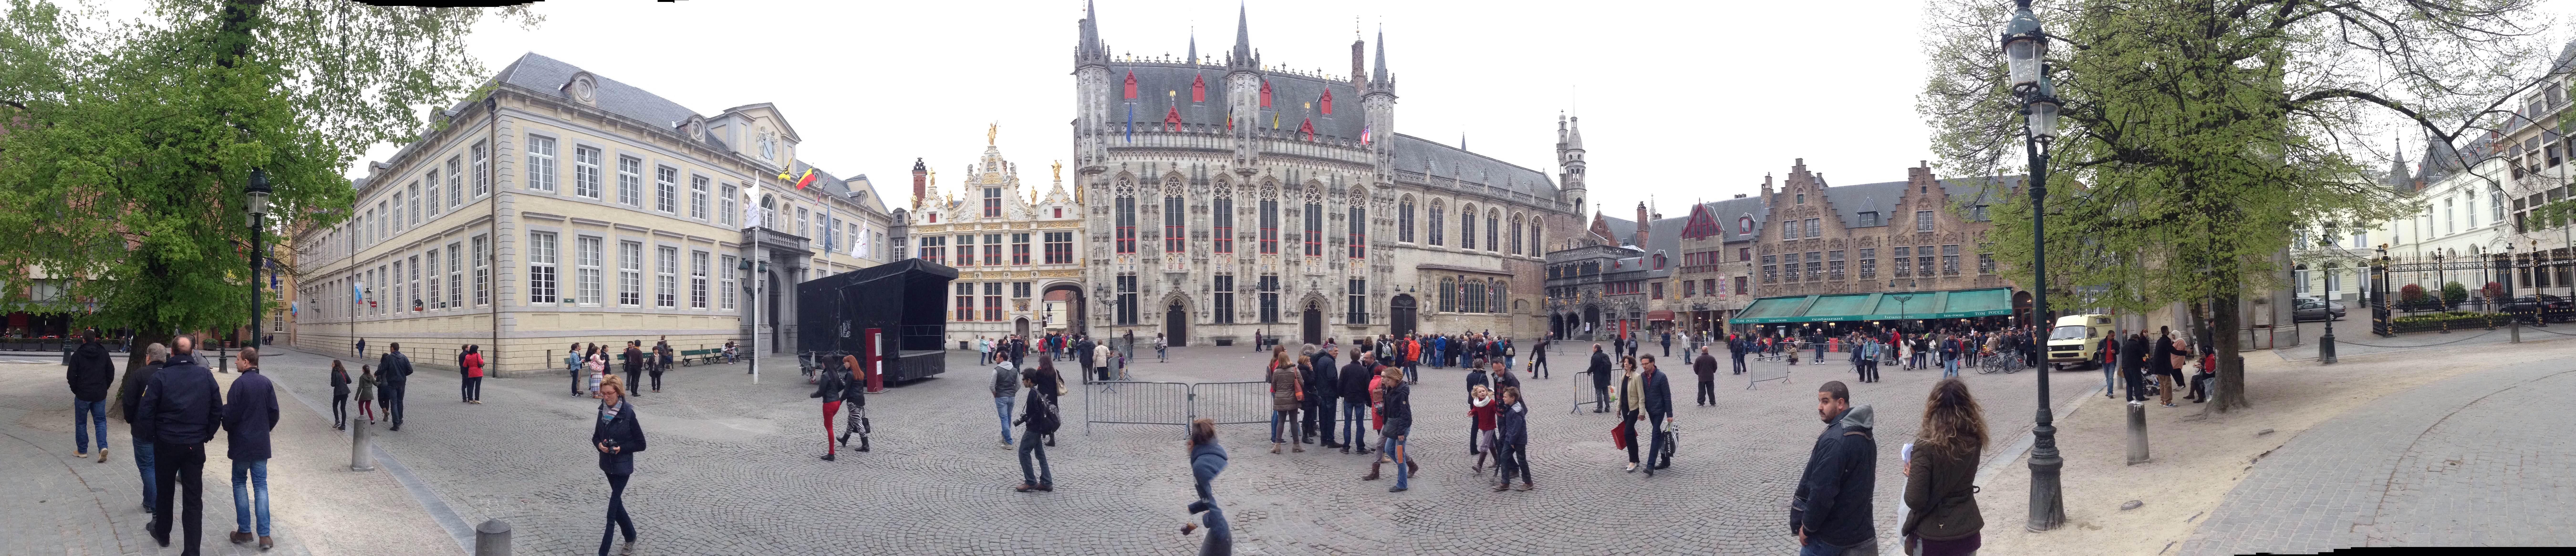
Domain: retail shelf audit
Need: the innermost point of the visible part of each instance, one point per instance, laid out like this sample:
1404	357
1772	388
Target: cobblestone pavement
732	467
2474	460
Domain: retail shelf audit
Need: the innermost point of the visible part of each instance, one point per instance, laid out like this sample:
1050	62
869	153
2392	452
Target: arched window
1404	220
1493	231
1467	228
1269	221
1474	296
1494	296
1536	248
1434	228
1516	234
1125	210
1448	295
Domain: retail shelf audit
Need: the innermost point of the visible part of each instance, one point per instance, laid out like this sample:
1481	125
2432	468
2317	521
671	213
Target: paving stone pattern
57	504
2474	460
732	468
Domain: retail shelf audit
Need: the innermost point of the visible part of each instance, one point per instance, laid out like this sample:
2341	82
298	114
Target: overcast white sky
1681	101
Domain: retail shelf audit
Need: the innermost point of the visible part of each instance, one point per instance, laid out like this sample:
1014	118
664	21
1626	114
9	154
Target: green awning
1878	306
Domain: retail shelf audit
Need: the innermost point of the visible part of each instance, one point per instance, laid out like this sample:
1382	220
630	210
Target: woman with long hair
1940	492
367	393
1207	459
473	362
1631	398
597	363
1513	454
1049	383
854	397
1287	391
829	387
618	437
572	366
339	396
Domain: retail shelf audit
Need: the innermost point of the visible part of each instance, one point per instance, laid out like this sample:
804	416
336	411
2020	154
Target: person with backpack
662	350
1041	419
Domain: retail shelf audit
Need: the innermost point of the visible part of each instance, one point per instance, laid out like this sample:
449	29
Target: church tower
1378	103
1569	161
1091	97
1244	95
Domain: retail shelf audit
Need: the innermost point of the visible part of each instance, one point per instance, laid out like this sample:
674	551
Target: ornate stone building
1921	234
1012	245
1717	269
1229	197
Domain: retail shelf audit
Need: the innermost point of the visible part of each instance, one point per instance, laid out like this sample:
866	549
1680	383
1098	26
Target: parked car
2550	307
2310	308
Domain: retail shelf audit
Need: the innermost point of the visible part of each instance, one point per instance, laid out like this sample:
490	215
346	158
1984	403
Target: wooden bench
690	357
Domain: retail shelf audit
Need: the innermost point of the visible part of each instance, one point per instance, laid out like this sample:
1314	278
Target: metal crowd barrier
1231	403
1127	402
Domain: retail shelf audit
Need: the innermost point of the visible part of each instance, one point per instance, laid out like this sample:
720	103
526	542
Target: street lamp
753	291
258	209
2025	44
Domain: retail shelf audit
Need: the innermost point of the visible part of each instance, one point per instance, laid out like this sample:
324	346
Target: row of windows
1523	238
1709	286
1903	262
418	283
589	175
992	298
1814	227
1058	248
1472	295
545	274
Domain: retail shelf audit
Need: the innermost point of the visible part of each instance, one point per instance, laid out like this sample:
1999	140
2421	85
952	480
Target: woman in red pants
831	386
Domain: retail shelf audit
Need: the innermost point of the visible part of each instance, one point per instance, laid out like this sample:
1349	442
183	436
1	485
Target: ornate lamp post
2025	44
753	291
258	207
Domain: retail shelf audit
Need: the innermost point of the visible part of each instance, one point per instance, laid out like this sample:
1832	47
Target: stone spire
2397	174
1377	74
1194	46
1243	36
1089	49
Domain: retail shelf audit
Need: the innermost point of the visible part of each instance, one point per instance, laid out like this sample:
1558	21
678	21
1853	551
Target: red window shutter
1307	127
1198	88
1131	85
1172	119
1328	101
1265	93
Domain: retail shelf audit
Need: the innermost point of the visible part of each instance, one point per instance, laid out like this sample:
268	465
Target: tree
2197	134
125	145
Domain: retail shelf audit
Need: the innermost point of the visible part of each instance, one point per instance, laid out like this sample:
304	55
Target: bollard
492	538
362	437
2138	433
2517	330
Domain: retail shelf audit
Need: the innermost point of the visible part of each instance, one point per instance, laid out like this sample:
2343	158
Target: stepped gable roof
1162	86
1425	162
1728	210
547	76
1851	200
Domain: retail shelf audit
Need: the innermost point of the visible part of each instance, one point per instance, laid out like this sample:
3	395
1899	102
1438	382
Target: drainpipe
492	132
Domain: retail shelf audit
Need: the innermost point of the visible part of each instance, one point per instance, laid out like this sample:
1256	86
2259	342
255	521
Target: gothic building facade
1225	197
1012	245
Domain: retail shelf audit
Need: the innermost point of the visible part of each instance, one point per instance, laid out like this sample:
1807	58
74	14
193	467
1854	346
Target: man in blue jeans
1352	385
90	371
1006	383
131	396
250	412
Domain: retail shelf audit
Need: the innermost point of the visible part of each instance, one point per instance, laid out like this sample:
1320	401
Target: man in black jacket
1735	348
1538	358
1082	352
634	357
2133	365
1600	372
1659	413
1706	368
1832	504
130	397
1353	387
250	412
393	372
90	373
185	408
1320	379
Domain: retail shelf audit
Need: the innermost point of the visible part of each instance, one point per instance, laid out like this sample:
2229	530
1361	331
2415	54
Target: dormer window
1977	213
1869	218
1659	261
1802	198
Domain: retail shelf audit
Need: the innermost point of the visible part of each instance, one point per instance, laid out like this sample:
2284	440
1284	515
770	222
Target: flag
1131	121
750	217
1364	135
801	182
357	292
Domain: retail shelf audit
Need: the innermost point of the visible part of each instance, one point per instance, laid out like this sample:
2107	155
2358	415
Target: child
367	392
1515	441
1481	408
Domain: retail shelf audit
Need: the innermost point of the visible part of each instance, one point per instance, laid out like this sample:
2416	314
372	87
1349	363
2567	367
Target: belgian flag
801	182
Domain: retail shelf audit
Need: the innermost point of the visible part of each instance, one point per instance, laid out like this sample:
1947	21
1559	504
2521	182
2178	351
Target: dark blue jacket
1206	461
1321	380
250	412
131	396
1513	424
1832	503
183	402
1659	394
628	433
393	370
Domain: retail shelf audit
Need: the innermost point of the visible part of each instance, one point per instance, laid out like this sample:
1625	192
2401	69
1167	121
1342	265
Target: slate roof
1161	86
548	76
1727	210
1424	162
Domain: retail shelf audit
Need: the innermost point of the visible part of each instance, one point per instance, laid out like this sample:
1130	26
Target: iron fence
1125	402
2409	294
1231	403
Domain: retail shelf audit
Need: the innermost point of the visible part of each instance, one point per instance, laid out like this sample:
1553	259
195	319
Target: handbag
1619	436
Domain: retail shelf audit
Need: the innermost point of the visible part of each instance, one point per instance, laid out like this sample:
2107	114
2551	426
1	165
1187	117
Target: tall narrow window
541	163
1902	263
630	274
585	172
1433	230
1126	222
1493	233
1922	221
482	171
1359	231
1950	260
431	201
1516	234
801	219
456	275
455	183
541	268
586	271
1059	248
437	298
1834	264
395	216
1126	299
992	249
666	278
1449	293
482	271
698	197
1268	289
411	288
1357	313
1020	249
993	301
412	211
666	189
1472	294
965	250
1868	263
934	249
1467	228
1314	229
992	202
725	204
630	179
1174	236
1221	299
1221	215
1269	226
965	302
1404	220
698	280
725	283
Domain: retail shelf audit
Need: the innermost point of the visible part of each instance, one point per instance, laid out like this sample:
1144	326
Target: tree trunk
134	348
2230	391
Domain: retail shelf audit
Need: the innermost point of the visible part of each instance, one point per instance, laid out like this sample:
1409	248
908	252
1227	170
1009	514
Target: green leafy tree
125	145
2197	134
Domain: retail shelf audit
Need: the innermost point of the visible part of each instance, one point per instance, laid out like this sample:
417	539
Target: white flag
859	243
750	217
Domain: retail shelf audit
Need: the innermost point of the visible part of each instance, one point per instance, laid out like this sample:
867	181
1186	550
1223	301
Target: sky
1680	101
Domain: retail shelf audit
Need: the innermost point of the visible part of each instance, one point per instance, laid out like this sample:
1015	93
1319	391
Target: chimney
1359	79
1642	225
918	185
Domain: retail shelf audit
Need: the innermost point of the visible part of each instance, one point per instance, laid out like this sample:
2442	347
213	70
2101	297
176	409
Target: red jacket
1485	415
473	365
